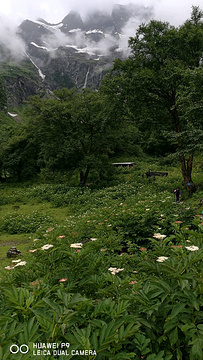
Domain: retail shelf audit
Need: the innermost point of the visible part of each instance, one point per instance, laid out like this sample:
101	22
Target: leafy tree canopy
160	85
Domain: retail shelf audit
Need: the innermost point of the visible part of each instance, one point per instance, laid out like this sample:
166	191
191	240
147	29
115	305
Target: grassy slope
154	307
26	199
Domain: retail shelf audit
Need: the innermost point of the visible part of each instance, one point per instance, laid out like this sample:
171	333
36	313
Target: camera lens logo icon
14	349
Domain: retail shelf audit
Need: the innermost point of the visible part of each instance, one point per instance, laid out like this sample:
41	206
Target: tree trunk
186	167
19	170
84	176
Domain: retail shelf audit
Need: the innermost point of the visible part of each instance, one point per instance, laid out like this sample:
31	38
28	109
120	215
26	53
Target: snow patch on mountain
39	71
95	31
38	46
12	115
74	30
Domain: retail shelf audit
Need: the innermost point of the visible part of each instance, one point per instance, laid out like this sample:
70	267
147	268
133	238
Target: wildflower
46	247
76	245
133	282
61	236
33	283
63	280
8	267
21	263
114	270
162	258
159	236
32	251
93	239
134	271
192	248
143	248
111	268
49	229
35	239
178	222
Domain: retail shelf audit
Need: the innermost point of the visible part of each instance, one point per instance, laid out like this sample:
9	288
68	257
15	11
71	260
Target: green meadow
112	270
111	264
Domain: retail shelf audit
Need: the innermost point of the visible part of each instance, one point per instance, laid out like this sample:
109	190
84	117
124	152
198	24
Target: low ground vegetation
116	269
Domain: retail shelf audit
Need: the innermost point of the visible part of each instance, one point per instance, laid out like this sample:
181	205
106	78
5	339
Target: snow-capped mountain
78	52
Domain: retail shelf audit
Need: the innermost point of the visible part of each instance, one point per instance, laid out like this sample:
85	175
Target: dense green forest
110	262
150	103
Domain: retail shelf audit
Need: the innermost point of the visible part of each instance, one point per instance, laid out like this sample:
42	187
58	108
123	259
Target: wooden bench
155	173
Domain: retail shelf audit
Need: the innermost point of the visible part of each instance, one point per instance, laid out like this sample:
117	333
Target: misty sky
174	11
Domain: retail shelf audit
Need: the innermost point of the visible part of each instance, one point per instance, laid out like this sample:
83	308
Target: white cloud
13	12
10	42
174	11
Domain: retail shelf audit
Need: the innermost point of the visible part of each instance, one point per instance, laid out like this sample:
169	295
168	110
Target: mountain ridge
78	51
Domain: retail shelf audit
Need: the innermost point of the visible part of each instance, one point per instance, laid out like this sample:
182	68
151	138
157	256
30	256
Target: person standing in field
177	193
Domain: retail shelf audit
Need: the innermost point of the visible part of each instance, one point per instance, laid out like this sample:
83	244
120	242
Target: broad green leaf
173	336
177	309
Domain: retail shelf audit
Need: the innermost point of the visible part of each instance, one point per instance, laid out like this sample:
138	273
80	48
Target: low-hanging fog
12	13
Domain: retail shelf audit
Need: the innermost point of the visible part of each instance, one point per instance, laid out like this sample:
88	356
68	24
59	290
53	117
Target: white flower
46	247
93	239
192	248
114	270
9	267
76	245
22	263
49	229
159	236
162	258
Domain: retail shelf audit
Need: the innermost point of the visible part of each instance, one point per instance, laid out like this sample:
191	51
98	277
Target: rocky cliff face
18	82
75	52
